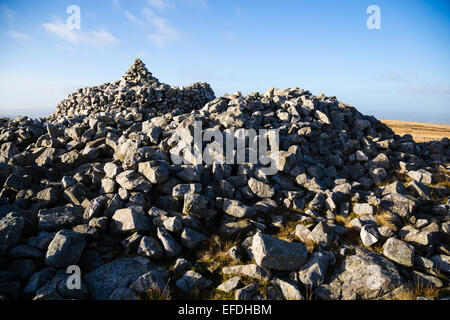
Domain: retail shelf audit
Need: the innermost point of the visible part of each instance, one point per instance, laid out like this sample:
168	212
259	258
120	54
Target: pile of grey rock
94	186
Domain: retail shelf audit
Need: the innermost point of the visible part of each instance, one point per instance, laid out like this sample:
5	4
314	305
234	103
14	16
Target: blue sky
400	72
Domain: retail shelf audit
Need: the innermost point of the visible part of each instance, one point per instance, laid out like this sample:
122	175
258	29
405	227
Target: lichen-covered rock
120	273
10	233
365	275
59	218
399	251
65	249
192	280
276	254
130	220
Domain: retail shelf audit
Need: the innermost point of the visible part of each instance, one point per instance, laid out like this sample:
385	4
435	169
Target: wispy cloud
14	34
195	3
132	17
240	11
426	89
116	3
8	13
398	77
163	32
161	4
412	84
100	38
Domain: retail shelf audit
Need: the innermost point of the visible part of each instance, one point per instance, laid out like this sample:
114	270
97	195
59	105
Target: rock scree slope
353	211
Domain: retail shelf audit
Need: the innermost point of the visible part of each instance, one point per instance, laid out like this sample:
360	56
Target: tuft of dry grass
287	233
311	246
412	292
216	251
309	294
156	294
384	218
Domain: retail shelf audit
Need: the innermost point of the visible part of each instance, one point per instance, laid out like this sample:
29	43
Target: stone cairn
354	212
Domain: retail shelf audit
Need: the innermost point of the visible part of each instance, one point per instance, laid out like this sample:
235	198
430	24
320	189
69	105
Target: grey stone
99	223
131	243
171	247
362	209
59	218
230	285
37	280
76	194
195	204
369	235
96	208
191	238
302	232
88	232
399	204
189	174
322	235
111	170
288	289
129	220
192	280
248	293
120	273
173	224
427	281
65	249
365	275
441	262
155	172
261	189
314	271
232	229
150	248
416	237
181	265
237	209
399	251
152	280
423	262
42	240
132	181
180	190
123	294
10	232
108	186
251	270
276	254
47	196
25	252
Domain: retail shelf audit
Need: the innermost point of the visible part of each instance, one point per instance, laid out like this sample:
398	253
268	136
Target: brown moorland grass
421	132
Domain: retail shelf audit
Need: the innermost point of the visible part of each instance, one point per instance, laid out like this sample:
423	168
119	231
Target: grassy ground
421	132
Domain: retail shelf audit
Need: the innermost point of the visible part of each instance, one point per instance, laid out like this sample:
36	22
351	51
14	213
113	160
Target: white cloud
160	4
240	11
14	34
413	84
7	12
164	31
426	89
195	3
398	77
132	17
100	38
116	3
